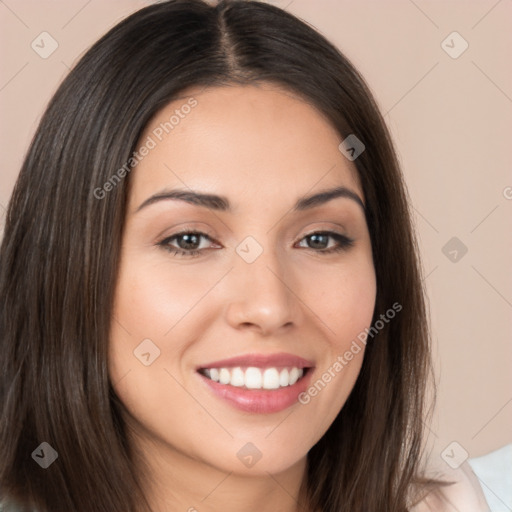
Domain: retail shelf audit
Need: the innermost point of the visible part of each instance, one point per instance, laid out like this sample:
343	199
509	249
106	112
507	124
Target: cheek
153	297
161	302
345	306
143	320
343	298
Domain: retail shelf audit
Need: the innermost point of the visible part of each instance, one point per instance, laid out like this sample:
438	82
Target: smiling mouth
253	377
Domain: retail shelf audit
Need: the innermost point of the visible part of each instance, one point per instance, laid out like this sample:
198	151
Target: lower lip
260	401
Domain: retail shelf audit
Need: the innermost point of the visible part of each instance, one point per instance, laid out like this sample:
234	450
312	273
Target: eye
189	242
320	244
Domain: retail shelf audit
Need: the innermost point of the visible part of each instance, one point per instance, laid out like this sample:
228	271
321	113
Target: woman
211	297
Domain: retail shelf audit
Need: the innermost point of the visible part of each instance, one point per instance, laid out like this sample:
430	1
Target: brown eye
319	242
187	243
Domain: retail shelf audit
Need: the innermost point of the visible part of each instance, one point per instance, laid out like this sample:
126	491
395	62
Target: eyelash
343	241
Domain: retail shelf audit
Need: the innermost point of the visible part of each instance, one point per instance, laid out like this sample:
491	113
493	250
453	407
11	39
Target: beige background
451	119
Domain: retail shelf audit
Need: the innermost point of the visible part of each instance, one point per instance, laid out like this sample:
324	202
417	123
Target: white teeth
237	377
270	378
224	376
255	378
294	376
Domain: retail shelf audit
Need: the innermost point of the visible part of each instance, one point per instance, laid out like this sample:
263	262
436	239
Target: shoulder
463	495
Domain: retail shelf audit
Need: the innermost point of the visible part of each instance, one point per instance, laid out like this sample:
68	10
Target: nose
261	295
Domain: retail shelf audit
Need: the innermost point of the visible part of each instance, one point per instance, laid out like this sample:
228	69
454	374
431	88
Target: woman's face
206	347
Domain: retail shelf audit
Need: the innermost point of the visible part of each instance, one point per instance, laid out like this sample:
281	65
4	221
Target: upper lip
261	361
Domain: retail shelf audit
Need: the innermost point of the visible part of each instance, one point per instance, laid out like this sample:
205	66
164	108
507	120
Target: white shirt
465	495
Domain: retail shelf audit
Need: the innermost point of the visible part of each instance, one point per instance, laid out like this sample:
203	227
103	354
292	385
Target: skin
263	148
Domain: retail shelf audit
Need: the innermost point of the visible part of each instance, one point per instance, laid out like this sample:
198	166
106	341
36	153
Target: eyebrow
221	203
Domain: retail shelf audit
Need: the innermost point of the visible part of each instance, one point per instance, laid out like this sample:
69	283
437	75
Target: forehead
258	140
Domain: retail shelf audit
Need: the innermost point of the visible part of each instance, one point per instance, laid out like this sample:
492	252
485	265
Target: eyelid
193	231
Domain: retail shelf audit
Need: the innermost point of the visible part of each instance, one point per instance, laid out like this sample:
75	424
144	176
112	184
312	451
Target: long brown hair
59	260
